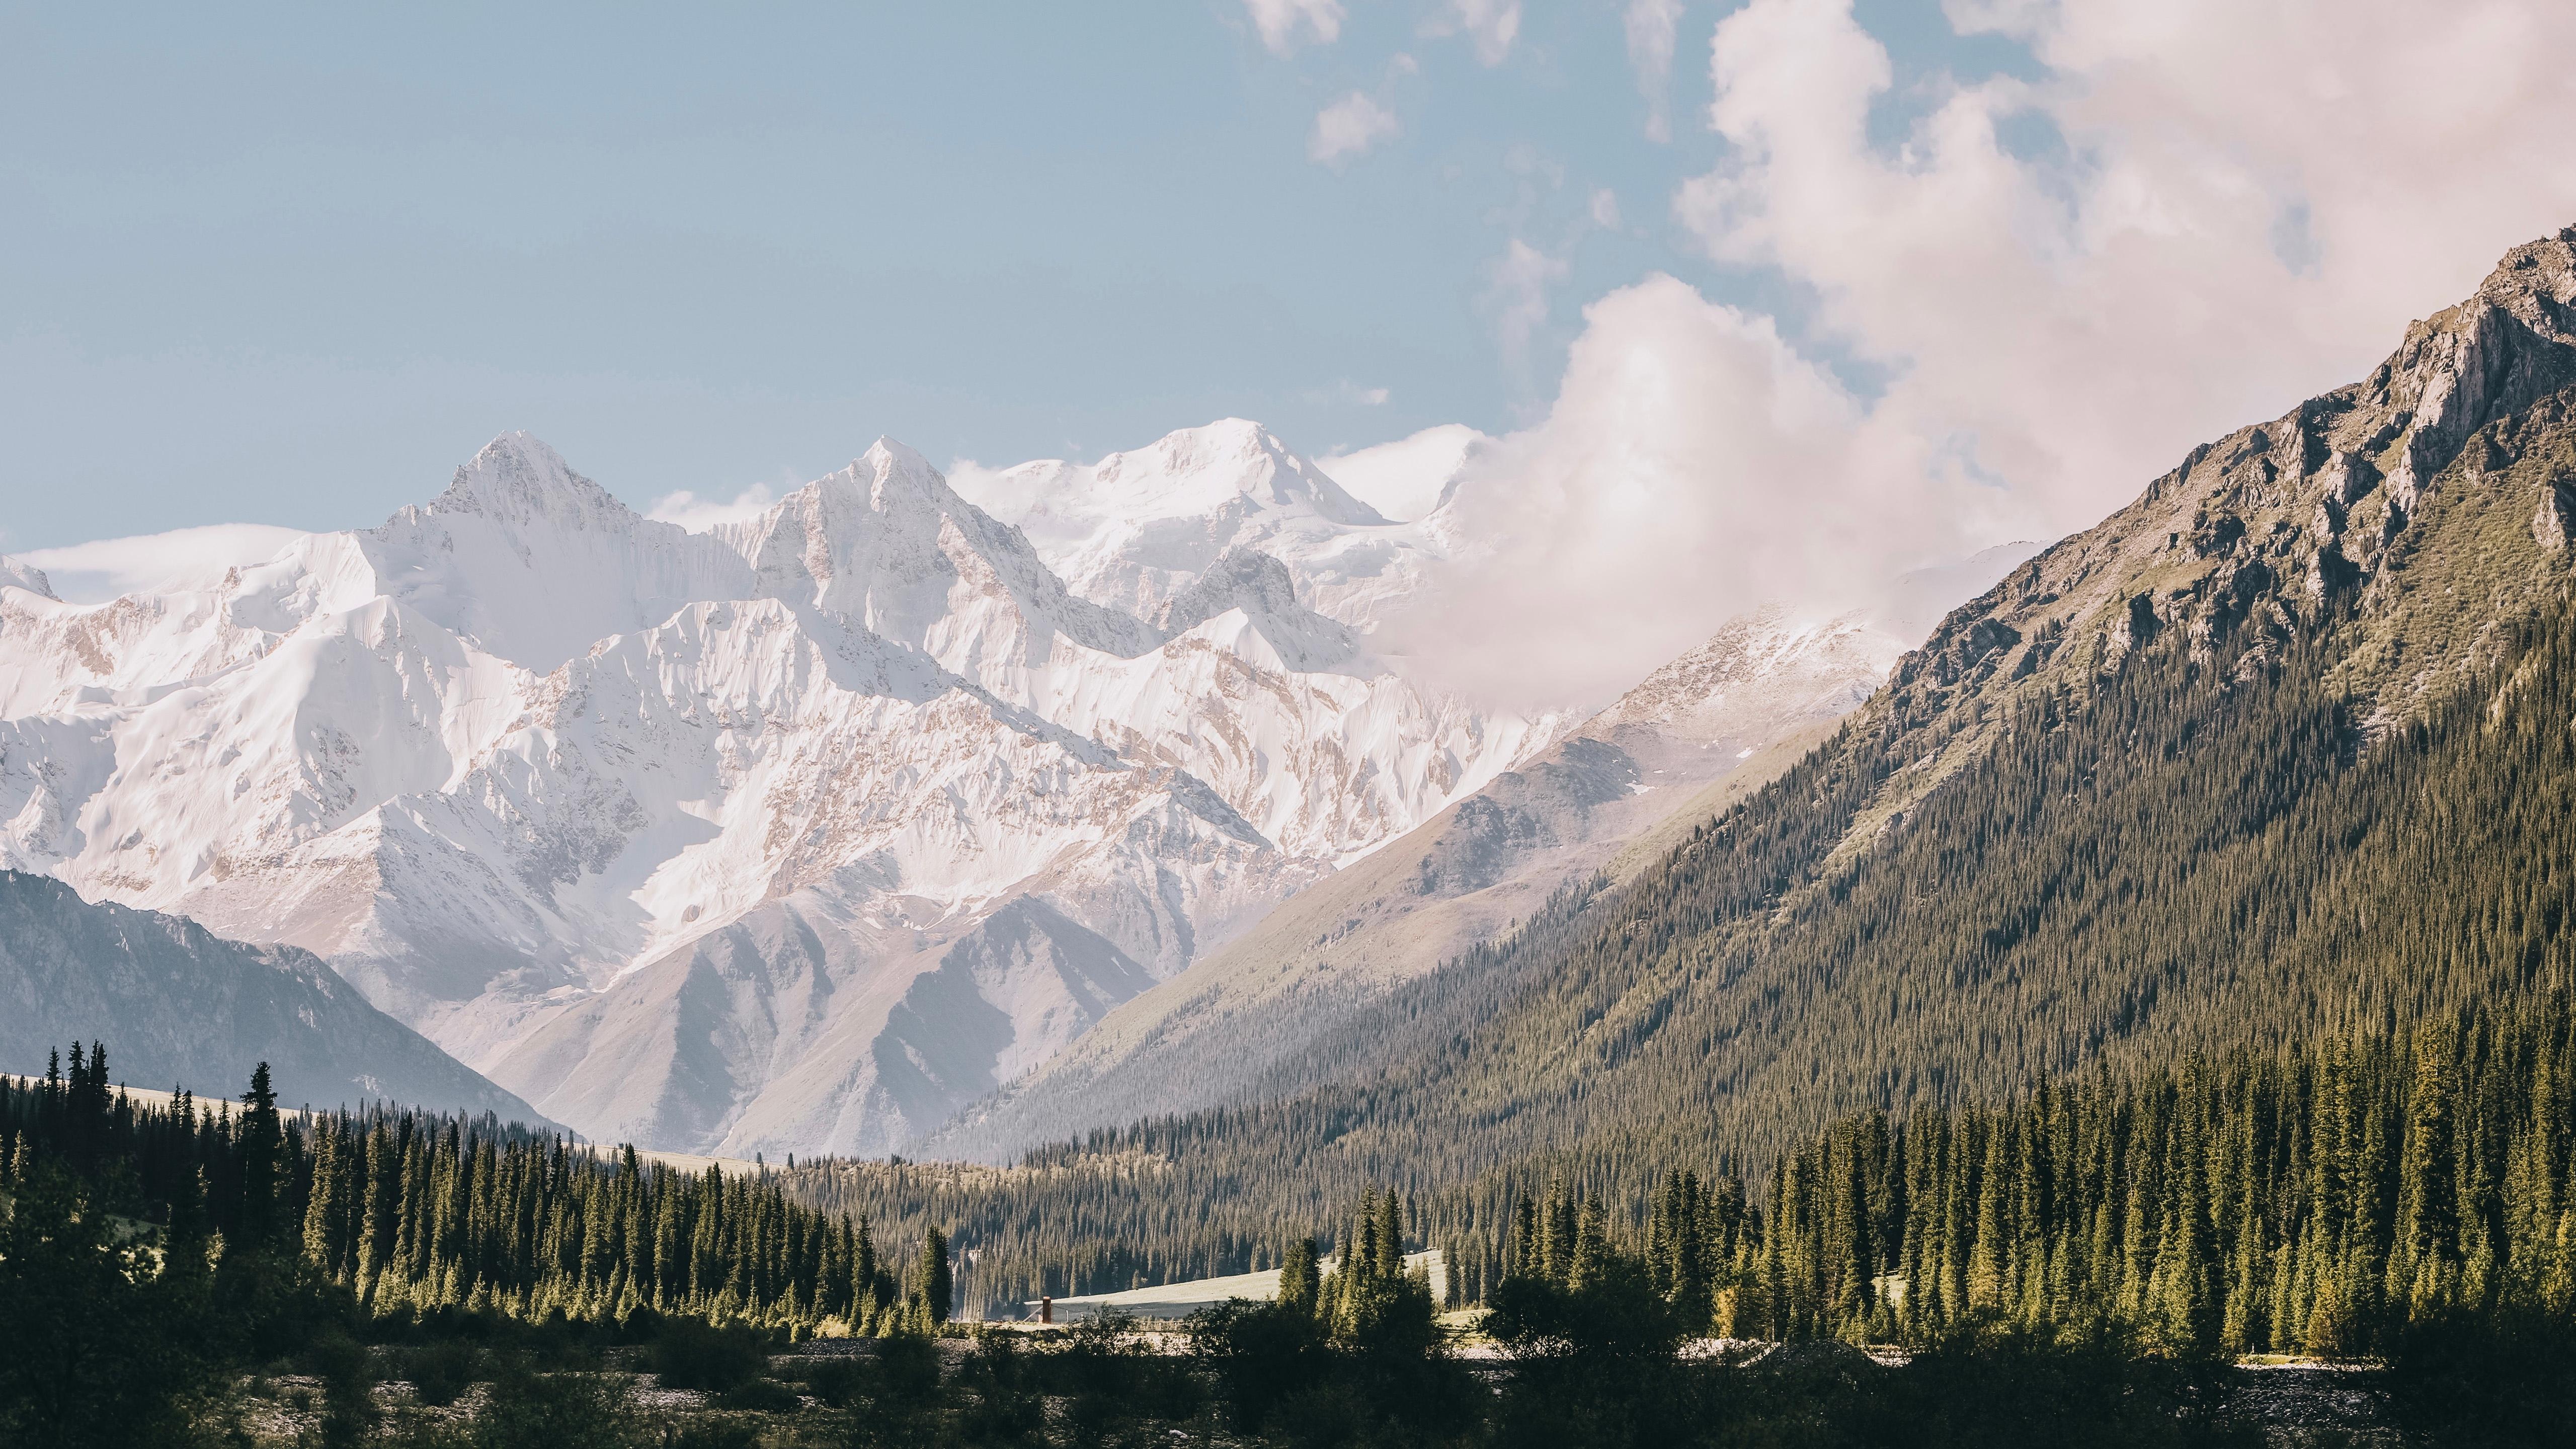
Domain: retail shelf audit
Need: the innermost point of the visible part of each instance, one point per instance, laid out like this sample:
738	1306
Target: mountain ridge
184	1007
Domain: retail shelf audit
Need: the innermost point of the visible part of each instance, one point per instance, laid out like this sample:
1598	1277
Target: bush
556	1411
348	1388
2003	1386
2468	1380
441	1372
838	1382
908	1368
1004	1408
766	1396
692	1353
1261	1355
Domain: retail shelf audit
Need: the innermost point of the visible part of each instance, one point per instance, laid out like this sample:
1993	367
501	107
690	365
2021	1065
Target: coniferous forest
2398	1199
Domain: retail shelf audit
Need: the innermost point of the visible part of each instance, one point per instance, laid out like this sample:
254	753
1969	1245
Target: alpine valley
807	832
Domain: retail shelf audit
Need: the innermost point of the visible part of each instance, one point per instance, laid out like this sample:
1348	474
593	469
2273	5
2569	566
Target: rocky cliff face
2408	502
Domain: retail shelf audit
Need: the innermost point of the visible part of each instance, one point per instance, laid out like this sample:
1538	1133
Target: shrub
692	1353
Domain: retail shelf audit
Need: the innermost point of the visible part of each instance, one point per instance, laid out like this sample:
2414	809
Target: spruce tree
1298	1280
938	1286
259	1152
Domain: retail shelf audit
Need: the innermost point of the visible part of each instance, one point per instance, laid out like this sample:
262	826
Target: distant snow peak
1413	476
17	575
1193	468
518	480
1135	529
1260	586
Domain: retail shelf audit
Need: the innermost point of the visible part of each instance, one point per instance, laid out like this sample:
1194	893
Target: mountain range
2279	751
811	830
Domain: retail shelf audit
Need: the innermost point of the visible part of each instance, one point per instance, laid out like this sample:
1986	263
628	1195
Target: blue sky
289	265
1890	282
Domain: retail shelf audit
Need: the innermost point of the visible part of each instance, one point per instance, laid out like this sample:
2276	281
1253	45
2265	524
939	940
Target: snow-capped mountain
1134	529
798	832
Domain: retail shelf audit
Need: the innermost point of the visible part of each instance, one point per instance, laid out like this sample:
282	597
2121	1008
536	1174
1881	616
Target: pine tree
260	1152
1298	1280
938	1286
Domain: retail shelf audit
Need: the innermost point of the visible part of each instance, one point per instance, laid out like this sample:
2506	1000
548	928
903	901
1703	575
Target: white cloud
1516	290
1693	466
1350	127
1280	20
1343	392
1653	30
700	514
2073	320
1605	209
1406	478
1489	25
94	572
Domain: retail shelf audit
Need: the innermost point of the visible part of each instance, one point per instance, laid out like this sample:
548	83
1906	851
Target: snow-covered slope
1136	528
796	833
1667	755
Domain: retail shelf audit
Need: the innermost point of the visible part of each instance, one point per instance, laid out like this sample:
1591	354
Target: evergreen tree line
414	1212
2321	1199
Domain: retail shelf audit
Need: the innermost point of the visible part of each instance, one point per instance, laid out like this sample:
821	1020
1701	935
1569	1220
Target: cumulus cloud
1693	466
1489	25
1279	21
700	514
1349	127
1654	33
1407	478
2247	207
1605	209
94	572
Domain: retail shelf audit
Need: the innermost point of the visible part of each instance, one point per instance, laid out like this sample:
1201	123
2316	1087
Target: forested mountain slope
2282	749
2283	746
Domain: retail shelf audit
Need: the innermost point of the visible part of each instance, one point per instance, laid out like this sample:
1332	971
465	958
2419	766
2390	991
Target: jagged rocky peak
1768	650
1135	528
1241	578
2341	509
887	542
1259	585
518	480
18	575
2489	357
894	469
890	486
